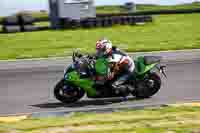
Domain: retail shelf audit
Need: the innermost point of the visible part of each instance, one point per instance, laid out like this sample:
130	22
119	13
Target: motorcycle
81	77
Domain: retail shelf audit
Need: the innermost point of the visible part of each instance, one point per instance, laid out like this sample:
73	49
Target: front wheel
67	94
148	87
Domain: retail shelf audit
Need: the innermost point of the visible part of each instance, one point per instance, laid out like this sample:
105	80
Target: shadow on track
83	103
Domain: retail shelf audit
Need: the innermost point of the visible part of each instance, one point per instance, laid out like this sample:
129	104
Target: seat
151	59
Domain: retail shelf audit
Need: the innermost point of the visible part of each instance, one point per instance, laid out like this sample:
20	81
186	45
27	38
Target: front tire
67	96
149	90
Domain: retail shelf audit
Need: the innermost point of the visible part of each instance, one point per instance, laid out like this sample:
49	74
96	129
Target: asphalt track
30	89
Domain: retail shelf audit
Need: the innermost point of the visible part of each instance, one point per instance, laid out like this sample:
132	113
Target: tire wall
18	23
25	23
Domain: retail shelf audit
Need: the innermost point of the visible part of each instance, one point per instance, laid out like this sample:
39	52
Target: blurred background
9	7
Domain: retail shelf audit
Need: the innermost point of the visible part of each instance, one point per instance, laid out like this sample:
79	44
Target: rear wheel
67	94
149	87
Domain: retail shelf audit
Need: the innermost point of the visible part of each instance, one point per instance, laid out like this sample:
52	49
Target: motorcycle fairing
141	68
101	68
85	83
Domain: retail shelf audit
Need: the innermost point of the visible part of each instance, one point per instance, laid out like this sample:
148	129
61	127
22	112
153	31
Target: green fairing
101	66
85	84
141	68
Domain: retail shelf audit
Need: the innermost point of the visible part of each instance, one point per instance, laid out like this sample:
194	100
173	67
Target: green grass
42	24
175	7
108	9
167	32
146	7
166	119
140	7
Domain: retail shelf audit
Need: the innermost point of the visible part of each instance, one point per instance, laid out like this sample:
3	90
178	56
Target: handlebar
77	55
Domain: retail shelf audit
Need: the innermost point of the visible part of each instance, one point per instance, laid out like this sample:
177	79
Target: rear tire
148	91
67	97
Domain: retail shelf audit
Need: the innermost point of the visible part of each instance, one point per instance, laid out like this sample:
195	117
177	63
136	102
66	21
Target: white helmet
103	47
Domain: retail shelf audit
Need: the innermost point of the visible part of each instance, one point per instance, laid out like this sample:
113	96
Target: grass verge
147	7
140	7
166	119
167	32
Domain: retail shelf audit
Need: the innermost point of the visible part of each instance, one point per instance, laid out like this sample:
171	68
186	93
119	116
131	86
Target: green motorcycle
80	78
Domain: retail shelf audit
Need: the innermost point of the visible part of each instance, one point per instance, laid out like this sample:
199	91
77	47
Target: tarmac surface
26	86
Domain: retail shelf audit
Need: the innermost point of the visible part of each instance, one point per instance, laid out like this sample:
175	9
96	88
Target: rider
123	64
